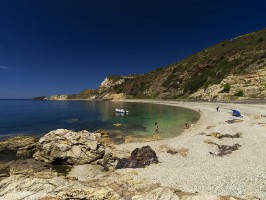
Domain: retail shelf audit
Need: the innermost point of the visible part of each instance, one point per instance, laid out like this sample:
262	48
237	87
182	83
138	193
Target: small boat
118	110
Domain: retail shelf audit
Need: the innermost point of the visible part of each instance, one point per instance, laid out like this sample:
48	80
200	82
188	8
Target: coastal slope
232	69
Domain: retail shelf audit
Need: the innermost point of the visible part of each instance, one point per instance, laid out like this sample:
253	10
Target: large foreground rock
68	147
20	145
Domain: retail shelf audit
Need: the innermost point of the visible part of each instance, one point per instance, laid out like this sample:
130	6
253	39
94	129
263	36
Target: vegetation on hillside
239	56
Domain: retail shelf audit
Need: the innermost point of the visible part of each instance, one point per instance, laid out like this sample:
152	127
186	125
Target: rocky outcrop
26	167
58	97
139	158
19	145
109	82
111	186
68	147
241	87
113	96
22	187
88	94
31	179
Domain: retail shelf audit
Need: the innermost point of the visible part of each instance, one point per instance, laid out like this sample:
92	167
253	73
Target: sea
36	118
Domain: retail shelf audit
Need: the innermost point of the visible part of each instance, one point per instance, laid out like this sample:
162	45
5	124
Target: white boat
118	110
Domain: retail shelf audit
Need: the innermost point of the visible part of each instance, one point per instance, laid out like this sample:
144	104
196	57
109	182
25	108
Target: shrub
264	85
240	93
226	88
260	39
260	62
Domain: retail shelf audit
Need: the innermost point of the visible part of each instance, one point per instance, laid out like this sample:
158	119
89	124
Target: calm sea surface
29	117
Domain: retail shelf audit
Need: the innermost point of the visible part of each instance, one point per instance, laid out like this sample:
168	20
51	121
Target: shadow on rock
21	146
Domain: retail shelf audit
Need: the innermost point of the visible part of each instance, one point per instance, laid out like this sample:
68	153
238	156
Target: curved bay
28	117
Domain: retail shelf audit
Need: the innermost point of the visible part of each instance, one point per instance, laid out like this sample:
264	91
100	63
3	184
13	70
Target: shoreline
193	161
71	121
241	173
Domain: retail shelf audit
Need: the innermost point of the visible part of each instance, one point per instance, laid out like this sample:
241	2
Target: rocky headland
234	69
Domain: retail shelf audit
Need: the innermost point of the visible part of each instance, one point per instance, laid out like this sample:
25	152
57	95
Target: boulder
68	147
20	145
139	158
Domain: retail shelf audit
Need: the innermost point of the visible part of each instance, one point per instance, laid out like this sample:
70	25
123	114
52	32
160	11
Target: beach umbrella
236	113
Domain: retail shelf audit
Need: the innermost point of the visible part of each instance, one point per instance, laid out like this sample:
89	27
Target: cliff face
233	69
59	97
240	87
109	82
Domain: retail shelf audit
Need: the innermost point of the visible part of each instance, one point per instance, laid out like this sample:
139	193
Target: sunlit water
28	117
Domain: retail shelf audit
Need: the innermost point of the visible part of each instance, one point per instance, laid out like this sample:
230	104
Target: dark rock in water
139	158
19	145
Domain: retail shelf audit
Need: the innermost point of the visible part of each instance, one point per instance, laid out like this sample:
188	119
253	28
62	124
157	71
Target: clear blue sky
64	46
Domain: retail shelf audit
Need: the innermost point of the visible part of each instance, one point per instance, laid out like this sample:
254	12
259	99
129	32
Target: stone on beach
220	136
139	158
68	147
182	151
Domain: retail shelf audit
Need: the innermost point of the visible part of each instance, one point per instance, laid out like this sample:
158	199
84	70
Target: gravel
241	173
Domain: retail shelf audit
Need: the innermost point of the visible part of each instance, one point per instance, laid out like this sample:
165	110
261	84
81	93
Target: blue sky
64	46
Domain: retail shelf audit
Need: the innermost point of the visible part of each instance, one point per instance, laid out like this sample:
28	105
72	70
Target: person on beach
156	127
217	108
186	126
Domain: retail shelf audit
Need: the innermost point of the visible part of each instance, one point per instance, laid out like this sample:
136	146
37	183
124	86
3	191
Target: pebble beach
241	172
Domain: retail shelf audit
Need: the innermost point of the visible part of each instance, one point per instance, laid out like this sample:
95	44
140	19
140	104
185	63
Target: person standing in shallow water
186	126
156	127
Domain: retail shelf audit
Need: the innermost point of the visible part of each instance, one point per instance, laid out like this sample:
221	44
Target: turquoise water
29	117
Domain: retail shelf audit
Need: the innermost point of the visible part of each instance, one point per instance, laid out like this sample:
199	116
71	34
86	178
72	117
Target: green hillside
237	57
